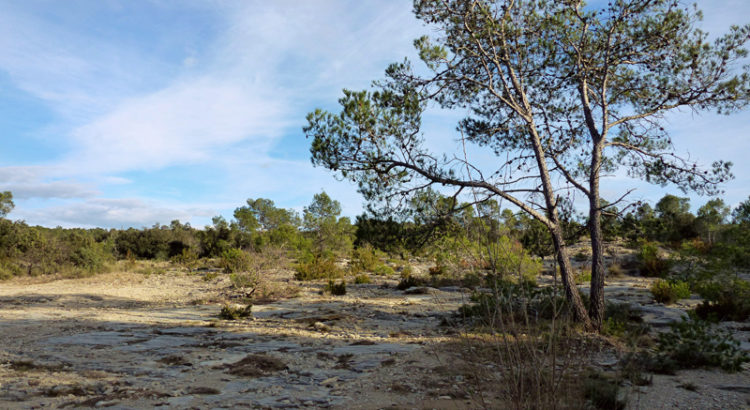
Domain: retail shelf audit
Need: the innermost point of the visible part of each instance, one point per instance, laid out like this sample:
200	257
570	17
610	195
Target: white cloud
180	124
111	213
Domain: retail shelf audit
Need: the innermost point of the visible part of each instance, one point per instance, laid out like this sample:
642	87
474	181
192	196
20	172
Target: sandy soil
125	340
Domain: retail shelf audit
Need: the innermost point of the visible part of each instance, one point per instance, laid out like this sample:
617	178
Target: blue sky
126	113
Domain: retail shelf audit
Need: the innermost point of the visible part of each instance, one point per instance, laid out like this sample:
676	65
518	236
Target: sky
120	113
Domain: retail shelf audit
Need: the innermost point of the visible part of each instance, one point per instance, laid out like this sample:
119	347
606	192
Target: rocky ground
125	340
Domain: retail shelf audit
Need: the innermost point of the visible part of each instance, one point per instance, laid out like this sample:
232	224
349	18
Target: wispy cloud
112	213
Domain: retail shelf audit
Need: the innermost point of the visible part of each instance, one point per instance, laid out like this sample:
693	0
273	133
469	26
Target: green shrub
581	256
406	271
365	258
236	313
582	276
725	298
669	292
695	343
336	289
650	263
471	280
235	260
410	282
384	270
317	268
362	279
624	322
512	260
603	392
91	258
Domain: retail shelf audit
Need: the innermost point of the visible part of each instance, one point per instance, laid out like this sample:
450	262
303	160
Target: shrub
725	298
336	289
603	392
187	258
245	280
410	282
91	258
615	270
512	260
235	260
406	271
362	279
624	322
365	258
437	270
236	312
384	270
581	256
650	263
582	276
669	292
694	343
317	268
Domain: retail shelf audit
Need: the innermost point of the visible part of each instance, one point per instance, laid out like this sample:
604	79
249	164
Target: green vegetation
236	312
336	289
695	343
668	292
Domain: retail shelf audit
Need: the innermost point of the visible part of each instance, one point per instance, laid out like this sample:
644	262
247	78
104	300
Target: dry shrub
256	365
525	349
255	282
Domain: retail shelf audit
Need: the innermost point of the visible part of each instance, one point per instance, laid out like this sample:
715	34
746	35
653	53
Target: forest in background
700	253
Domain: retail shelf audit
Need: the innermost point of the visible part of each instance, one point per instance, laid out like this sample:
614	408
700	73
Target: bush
624	322
236	312
365	258
384	270
245	280
410	282
615	270
336	289
91	258
669	292
581	256
362	279
650	263
235	260
603	392
725	298
694	343
582	276
406	271
317	268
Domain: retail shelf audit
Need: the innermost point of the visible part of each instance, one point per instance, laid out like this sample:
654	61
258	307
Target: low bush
364	258
410	282
603	392
668	292
236	312
615	271
623	322
583	276
336	289
406	271
362	279
384	270
650	263
317	267
725	298
695	343
235	260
